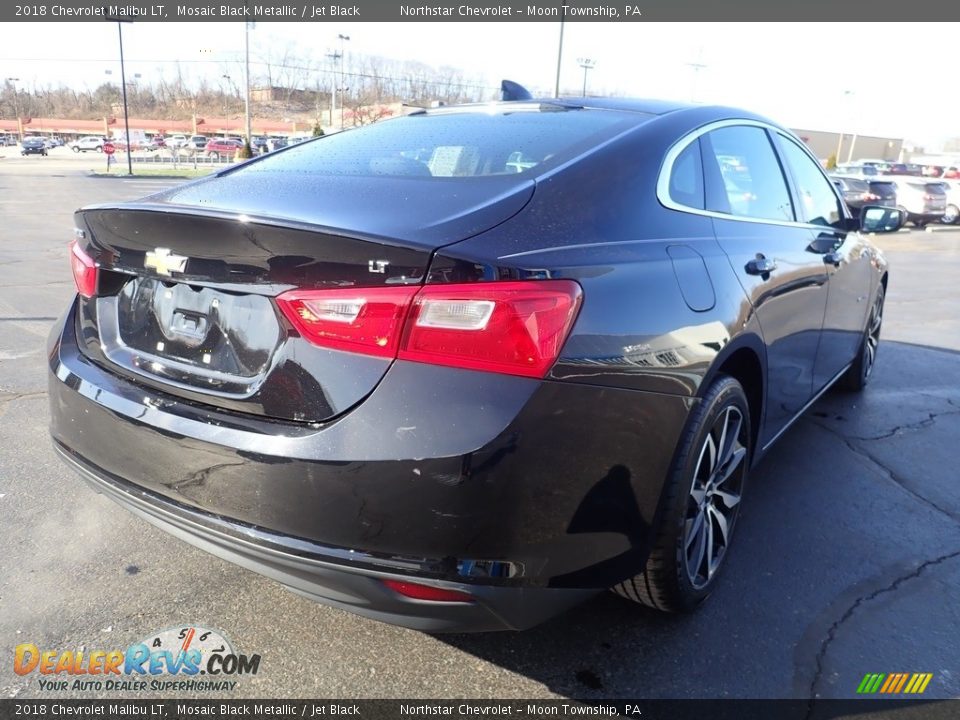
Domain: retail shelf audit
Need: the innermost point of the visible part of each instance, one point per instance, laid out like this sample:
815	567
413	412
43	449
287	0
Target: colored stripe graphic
891	682
894	683
903	681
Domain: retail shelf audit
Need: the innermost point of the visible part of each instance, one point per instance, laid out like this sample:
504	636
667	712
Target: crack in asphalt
835	627
891	474
919	425
11	397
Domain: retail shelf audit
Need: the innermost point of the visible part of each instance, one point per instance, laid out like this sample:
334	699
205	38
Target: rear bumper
312	574
528	495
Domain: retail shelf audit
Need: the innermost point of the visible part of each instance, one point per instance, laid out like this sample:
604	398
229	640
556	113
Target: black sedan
33	146
463	369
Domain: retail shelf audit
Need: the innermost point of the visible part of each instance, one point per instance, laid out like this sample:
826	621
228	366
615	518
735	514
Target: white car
91	142
177	141
924	200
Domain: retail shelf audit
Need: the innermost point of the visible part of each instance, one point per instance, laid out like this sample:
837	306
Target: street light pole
556	86
846	94
333	57
697	67
16	106
246	99
126	117
343	88
587	64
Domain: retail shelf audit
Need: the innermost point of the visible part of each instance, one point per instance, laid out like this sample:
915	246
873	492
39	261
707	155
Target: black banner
478	11
376	709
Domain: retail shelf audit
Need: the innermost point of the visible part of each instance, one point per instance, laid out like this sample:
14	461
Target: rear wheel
951	215
213	155
76	149
702	502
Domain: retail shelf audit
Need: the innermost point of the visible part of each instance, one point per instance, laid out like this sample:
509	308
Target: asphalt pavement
847	558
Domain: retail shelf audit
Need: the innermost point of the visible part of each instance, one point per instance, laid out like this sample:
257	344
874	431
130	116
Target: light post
587	64
333	57
123	85
343	38
846	94
556	87
248	27
16	106
697	67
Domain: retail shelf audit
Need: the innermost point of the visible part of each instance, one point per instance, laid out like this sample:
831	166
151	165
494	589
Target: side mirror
877	219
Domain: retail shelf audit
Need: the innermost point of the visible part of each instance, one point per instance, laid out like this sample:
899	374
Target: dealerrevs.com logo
189	658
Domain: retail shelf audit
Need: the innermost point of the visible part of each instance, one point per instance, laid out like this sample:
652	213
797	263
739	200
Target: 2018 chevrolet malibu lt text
463	369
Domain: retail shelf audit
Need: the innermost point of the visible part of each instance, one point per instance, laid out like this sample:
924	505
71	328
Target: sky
815	76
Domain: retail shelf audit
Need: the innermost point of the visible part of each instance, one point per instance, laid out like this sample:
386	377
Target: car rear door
756	225
844	255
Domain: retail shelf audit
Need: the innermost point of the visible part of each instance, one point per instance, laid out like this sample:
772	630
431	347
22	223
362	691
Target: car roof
638	105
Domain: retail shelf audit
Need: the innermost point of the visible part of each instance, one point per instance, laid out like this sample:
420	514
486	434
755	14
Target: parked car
85	144
905	169
457	395
260	145
857	169
199	141
858	192
222	147
157	142
922	200
33	146
176	142
8	140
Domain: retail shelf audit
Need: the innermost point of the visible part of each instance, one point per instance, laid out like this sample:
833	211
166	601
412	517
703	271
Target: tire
951	216
99	148
858	374
76	149
213	155
680	573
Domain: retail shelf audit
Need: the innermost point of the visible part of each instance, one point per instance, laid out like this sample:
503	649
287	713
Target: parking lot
847	559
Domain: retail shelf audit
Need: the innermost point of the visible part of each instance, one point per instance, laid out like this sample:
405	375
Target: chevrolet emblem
163	262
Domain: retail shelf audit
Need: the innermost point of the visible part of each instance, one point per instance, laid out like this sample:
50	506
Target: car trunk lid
185	302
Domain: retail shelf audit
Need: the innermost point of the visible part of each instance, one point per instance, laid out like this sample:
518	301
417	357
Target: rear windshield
467	144
855	185
929	188
883	188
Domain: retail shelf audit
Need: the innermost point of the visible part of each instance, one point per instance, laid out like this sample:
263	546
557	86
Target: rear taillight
510	327
84	270
418	591
869	197
366	321
517	328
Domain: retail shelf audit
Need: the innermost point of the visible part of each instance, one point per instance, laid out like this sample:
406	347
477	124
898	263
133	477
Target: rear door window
743	176
819	204
686	178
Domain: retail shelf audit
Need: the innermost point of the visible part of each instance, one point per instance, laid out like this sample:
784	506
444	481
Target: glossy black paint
367	466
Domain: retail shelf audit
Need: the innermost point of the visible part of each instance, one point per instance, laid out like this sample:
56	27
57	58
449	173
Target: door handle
761	265
832	258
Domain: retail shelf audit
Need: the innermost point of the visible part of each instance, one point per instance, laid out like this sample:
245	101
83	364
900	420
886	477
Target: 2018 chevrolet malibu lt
463	369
